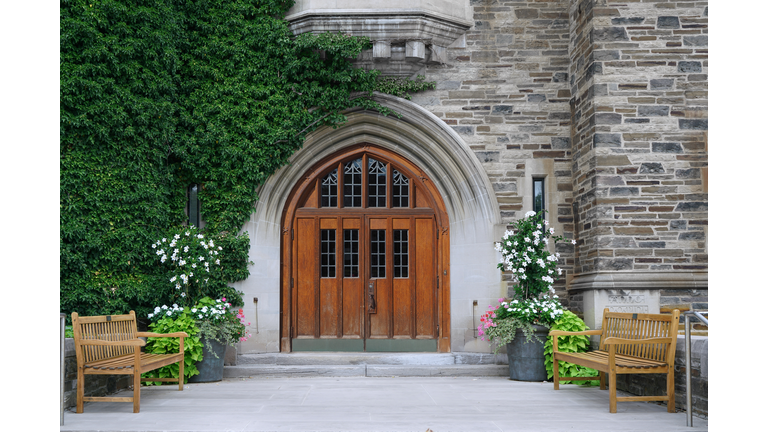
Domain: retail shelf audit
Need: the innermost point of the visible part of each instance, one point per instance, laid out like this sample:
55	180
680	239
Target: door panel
306	278
426	276
351	278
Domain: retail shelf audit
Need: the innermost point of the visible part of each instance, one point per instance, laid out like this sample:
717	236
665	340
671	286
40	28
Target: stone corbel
439	54
415	49
382	49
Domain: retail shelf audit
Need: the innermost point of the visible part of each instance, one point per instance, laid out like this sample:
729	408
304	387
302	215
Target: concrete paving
418	404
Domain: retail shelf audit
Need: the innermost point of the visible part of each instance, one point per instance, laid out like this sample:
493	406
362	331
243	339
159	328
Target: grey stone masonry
506	92
639	134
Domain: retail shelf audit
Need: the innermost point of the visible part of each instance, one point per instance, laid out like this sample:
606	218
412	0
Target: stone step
364	370
368	364
370	358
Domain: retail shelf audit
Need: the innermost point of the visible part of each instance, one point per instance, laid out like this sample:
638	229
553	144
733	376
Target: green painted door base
367	345
401	345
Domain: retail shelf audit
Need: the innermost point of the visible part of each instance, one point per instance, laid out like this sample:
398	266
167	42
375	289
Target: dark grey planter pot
211	368
526	359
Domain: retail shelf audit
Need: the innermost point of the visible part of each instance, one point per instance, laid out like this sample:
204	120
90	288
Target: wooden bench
629	344
110	345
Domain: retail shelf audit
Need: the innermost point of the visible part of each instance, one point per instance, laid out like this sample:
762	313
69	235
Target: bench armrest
567	333
150	334
129	342
620	341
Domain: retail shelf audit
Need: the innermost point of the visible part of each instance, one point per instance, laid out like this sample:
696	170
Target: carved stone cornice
395	26
640	280
404	40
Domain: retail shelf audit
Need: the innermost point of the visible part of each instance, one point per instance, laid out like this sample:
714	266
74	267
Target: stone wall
639	177
505	91
639	116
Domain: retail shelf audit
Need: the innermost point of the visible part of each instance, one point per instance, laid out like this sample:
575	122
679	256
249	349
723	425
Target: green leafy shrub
173	320
156	96
577	343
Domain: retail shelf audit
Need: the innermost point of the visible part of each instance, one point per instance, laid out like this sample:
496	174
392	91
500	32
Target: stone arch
439	151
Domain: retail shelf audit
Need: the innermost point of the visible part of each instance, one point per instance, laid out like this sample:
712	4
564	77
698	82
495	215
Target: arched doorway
364	248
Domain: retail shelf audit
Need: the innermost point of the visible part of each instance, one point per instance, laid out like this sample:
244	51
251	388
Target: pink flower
501	300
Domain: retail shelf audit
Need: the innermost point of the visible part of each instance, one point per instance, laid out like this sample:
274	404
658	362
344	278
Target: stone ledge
640	280
364	370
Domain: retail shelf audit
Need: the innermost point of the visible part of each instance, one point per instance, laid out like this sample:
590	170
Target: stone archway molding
446	159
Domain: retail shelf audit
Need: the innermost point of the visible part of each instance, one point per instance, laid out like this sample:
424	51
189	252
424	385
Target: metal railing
688	404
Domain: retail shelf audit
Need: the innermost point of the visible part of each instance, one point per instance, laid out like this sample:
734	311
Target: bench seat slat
601	357
126	361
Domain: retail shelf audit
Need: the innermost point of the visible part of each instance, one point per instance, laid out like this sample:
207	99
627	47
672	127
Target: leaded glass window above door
365	182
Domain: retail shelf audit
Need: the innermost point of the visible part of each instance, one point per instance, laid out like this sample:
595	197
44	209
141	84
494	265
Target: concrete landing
439	404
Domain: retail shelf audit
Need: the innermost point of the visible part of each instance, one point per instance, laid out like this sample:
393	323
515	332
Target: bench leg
671	390
602	380
80	390
612	391
556	371
181	375
136	391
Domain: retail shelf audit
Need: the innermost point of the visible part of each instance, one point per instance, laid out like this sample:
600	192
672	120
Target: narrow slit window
351	257
400	253
193	205
377	183
378	253
353	183
328	253
400	189
538	197
329	190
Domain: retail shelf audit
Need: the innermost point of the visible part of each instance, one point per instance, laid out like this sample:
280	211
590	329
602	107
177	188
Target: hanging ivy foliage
159	94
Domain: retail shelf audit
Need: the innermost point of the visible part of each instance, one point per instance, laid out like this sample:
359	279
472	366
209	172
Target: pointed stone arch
425	140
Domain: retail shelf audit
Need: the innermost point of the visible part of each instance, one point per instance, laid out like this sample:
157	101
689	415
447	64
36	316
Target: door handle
372	297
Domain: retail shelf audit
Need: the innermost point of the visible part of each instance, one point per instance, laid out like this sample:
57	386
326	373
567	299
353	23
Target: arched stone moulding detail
427	142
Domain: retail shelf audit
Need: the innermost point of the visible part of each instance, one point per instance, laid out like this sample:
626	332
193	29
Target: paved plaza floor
436	404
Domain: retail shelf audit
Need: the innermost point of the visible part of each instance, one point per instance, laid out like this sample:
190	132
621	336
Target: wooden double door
364	275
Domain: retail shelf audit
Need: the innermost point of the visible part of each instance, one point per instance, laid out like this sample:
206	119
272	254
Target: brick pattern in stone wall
638	185
506	94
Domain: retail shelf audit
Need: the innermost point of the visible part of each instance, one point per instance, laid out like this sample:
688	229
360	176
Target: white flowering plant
193	260
524	254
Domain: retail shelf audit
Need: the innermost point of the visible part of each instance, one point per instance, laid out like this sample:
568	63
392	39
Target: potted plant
534	306
219	326
211	325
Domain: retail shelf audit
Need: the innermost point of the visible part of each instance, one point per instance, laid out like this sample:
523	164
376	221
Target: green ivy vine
156	95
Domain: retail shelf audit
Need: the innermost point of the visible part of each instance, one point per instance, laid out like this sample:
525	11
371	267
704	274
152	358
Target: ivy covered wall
156	95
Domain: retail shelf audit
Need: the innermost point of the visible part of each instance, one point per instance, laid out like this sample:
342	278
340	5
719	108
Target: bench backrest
642	326
107	328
